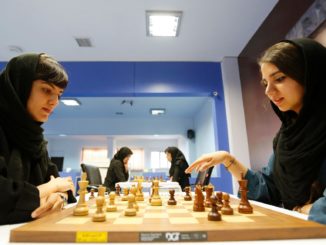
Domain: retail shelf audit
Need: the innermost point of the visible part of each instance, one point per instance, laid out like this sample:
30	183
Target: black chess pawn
219	202
209	191
172	201
226	209
187	197
214	215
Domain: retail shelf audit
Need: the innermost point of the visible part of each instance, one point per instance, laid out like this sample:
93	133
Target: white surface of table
164	186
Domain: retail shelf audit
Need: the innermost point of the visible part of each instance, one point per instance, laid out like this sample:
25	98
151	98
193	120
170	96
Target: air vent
84	42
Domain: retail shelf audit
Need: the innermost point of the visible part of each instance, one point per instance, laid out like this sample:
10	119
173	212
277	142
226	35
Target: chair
93	175
204	177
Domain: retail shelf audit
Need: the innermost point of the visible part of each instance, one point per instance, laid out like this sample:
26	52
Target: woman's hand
305	209
208	160
60	184
50	204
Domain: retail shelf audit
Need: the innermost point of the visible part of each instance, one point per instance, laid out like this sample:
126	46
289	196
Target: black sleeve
18	199
120	172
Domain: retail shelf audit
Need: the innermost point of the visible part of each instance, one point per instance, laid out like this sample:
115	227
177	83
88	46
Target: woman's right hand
208	160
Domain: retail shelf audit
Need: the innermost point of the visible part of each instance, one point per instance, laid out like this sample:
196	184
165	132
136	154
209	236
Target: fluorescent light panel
71	102
163	23
156	112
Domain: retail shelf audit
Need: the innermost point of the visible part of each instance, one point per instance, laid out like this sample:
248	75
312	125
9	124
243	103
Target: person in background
178	166
118	169
30	186
294	76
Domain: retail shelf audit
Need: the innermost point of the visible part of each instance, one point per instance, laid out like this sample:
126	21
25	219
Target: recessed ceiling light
156	112
163	23
71	102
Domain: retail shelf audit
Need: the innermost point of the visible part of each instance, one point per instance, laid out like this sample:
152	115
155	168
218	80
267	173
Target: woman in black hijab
178	166
294	74
118	169
30	186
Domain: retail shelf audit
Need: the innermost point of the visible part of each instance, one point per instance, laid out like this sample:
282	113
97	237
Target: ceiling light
163	23
156	112
70	102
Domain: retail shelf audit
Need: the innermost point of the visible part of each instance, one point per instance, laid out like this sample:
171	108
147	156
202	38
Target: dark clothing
261	187
116	173
300	144
24	161
178	166
296	173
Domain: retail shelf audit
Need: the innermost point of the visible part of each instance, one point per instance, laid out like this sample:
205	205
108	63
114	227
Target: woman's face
126	159
168	156
43	99
283	91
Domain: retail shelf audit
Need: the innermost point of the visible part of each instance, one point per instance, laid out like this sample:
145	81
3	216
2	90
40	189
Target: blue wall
100	79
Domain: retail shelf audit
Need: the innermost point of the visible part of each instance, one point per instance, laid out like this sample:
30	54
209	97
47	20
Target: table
267	222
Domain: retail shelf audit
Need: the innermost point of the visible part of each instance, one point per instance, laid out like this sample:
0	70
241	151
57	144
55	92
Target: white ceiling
210	30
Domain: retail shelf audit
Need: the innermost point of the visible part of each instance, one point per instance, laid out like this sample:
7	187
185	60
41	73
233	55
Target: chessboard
166	223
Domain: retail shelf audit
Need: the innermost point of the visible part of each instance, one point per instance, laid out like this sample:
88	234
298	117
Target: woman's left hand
51	203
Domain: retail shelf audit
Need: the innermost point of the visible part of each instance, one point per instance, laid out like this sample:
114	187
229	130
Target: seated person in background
118	169
178	166
294	76
30	186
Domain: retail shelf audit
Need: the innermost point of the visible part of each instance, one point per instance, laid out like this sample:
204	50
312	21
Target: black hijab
300	144
122	154
177	158
25	136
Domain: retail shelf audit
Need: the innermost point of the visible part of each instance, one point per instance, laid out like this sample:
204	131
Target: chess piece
117	190
244	205
156	199
92	194
226	209
99	216
209	191
125	194
139	193
81	207
172	200
199	200
187	197
133	190
130	210
219	201
214	215
111	207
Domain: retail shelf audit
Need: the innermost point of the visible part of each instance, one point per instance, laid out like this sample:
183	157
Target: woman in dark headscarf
178	166
30	87
118	169
294	74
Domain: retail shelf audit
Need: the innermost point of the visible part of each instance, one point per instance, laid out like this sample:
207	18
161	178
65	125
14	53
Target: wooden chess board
166	223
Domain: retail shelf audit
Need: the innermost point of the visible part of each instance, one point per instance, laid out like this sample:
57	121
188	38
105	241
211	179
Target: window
95	156
158	160
136	161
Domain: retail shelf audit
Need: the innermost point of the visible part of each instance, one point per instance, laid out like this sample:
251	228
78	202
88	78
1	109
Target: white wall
238	140
204	125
